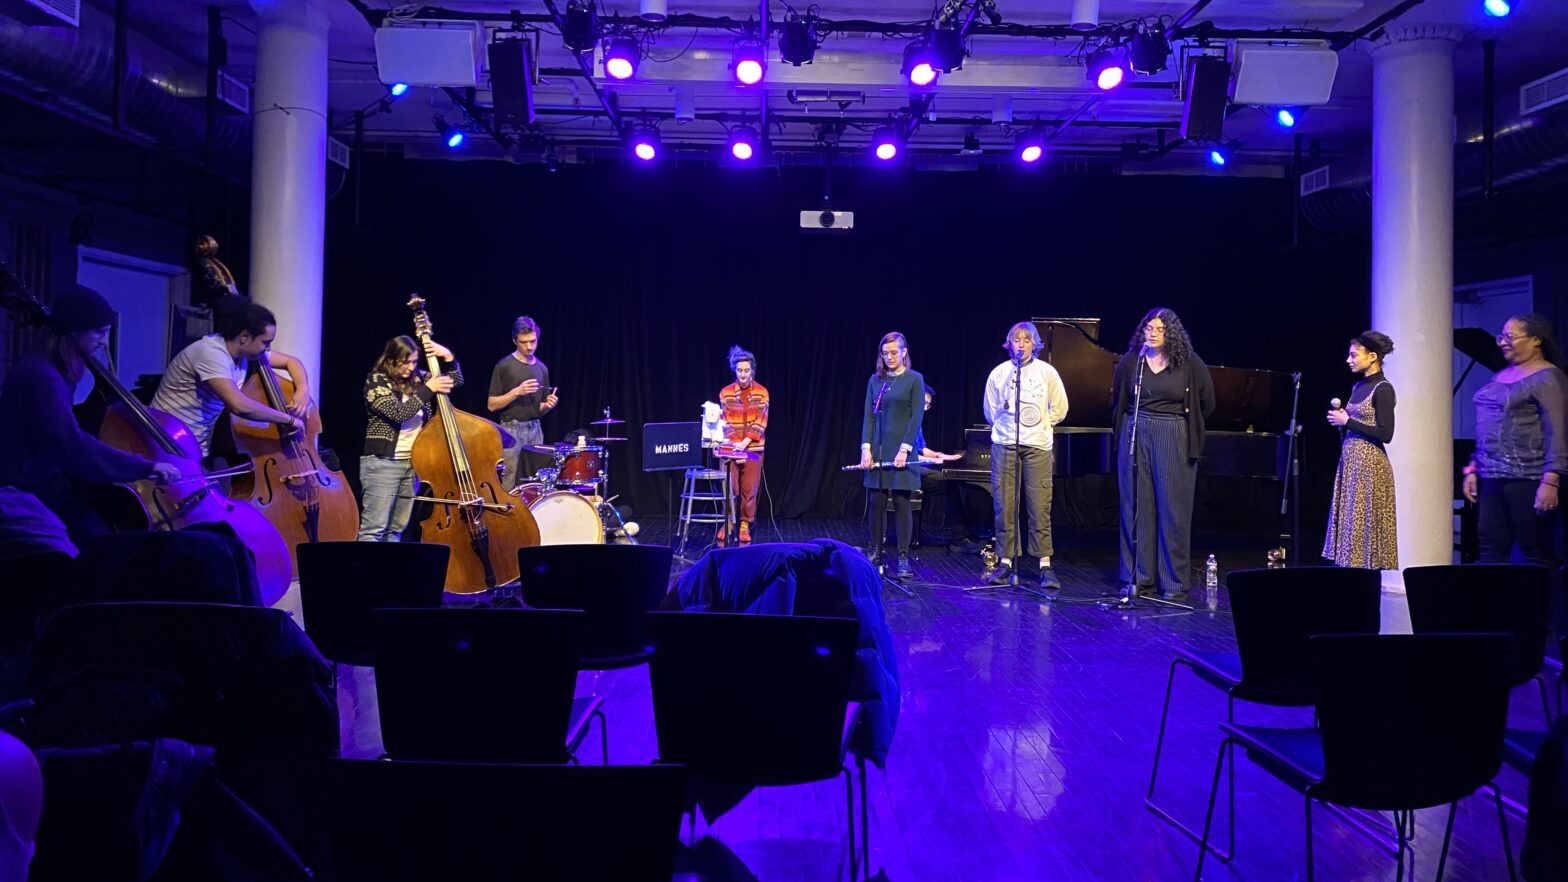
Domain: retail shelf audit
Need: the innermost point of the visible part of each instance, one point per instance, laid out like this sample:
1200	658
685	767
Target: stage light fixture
398	90
452	135
621	55
798	39
1498	8
1031	147
919	65
744	143
748	61
645	143
1104	67
580	26
1288	117
947	49
1221	154
971	145
1148	52
885	143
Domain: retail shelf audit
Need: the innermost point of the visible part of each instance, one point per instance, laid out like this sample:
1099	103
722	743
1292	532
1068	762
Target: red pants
745	476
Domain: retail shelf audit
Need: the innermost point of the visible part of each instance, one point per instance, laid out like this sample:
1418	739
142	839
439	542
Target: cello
304	499
472	515
194	498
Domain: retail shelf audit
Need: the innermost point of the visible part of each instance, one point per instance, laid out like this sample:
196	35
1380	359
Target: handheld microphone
1334	404
876	407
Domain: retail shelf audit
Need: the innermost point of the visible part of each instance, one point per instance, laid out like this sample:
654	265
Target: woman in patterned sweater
399	397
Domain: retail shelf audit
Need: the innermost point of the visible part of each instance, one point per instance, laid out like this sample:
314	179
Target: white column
288	173
1413	273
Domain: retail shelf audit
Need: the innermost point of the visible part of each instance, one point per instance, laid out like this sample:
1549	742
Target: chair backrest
243	679
476	685
1485	598
751	698
1275	611
617	585
405	820
1410	720
341	582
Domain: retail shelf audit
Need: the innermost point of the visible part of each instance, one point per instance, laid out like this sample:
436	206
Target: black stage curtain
642	278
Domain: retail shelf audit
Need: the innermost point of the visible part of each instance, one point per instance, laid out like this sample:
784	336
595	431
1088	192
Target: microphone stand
1018	487
1130	599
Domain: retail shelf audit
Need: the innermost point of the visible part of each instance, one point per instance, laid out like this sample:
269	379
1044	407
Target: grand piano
1240	477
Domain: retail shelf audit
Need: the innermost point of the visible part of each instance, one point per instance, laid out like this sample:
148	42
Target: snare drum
581	465
566	518
529	493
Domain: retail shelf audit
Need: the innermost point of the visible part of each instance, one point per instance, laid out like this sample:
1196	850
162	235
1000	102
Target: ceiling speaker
429	53
1275	76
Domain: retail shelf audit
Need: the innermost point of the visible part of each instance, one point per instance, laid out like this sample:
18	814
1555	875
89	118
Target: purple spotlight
743	143
645	144
922	74
885	143
919	65
748	63
1109	78
1031	153
1105	68
620	58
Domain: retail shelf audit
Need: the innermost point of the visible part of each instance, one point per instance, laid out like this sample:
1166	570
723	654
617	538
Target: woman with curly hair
1163	381
1361	524
1521	450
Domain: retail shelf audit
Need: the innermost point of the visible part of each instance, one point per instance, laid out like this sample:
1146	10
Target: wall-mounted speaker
1206	96
512	80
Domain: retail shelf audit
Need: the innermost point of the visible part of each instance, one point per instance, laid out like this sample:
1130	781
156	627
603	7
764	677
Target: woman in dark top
1361	524
1157	453
1521	454
895	403
399	398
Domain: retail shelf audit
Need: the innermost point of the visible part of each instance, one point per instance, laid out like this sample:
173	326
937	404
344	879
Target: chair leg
1402	825
1159	746
849	815
1308	838
865	820
1448	835
1502	825
604	736
1208	816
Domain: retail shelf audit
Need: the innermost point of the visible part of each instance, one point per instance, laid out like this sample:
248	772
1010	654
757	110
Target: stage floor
1024	745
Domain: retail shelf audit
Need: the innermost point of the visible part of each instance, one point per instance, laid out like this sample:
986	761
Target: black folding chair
417	820
1274	612
341	582
1404	722
482	685
1488	598
753	700
616	585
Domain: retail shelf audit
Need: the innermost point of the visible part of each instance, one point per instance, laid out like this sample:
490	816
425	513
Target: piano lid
1246	399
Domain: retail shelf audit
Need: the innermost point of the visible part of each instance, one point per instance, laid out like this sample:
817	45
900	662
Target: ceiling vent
1543	93
233	93
44	12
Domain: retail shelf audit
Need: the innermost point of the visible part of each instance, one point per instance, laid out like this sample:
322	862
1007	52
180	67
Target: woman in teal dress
895	403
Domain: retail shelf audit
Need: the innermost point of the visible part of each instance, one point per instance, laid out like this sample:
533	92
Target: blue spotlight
399	89
452	135
1220	155
1287	117
1497	8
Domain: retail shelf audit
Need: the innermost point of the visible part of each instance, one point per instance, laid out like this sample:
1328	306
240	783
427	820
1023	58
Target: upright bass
304	499
478	520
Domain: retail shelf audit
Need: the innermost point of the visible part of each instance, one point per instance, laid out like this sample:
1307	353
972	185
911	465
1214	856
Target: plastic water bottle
1211	582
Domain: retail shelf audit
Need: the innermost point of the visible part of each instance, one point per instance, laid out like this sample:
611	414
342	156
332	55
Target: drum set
570	499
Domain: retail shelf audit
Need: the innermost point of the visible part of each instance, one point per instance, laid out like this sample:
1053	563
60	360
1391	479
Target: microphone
1334	404
877	406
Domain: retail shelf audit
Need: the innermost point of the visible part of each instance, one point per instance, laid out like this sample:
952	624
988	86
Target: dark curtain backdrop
641	279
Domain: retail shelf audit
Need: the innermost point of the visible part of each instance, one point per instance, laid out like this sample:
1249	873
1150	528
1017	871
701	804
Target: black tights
903	518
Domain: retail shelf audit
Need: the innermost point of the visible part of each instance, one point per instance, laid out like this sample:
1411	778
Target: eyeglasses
1510	338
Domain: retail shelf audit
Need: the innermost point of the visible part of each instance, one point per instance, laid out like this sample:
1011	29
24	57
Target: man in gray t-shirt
205	378
520	393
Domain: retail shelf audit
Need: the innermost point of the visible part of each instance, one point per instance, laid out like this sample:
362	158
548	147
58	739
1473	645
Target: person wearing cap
42	449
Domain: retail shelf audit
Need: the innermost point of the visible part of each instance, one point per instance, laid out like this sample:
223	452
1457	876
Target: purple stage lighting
748	61
885	143
743	143
1031	147
620	58
919	65
645	144
1104	68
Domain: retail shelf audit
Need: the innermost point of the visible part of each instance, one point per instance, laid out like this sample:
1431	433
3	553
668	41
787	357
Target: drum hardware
611	439
482	505
607	421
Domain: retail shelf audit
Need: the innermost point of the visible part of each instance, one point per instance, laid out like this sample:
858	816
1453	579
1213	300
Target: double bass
194	498
304	499
472	515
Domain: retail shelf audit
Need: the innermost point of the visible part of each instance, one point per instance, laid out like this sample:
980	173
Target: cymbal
612	439
606	422
536	448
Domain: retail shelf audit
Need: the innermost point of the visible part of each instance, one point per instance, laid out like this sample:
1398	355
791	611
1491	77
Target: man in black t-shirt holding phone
520	393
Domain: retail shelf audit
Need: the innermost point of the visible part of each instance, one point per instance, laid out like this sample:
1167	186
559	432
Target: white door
142	292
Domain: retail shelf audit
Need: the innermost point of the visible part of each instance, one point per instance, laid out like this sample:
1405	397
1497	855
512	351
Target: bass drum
566	518
529	493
